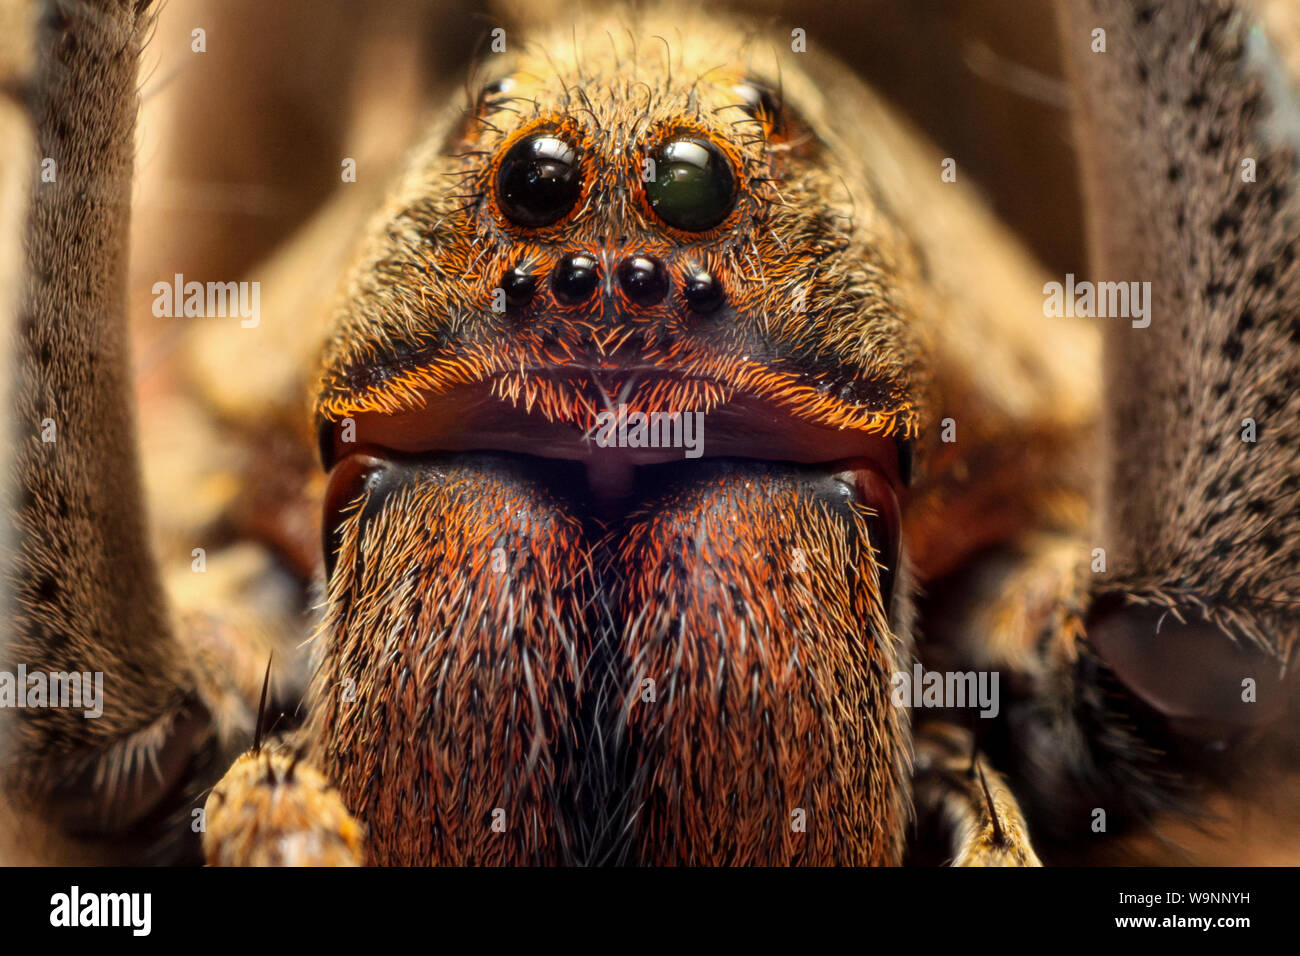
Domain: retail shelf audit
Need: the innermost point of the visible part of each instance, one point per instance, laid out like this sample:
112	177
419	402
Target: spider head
631	225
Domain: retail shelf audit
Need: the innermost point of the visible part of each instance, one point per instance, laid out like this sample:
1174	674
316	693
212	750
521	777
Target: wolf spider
390	545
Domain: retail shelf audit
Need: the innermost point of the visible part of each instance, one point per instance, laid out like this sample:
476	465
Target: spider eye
760	100
539	181
693	187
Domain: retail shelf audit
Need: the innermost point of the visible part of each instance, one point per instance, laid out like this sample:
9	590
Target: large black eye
693	187
539	181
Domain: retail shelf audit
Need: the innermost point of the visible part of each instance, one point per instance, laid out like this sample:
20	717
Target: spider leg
120	715
957	792
1187	128
271	809
1147	656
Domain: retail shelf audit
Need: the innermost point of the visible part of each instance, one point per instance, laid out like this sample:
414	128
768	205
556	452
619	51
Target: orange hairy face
473	281
619	407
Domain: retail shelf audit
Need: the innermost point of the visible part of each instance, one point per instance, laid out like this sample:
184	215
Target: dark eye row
642	279
689	184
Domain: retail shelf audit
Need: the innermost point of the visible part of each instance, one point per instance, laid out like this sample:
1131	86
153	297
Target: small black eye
539	181
519	285
643	279
497	88
693	186
575	278
703	292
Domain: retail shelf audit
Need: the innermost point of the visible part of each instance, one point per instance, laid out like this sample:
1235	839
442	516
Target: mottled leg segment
86	598
270	809
1143	657
1192	187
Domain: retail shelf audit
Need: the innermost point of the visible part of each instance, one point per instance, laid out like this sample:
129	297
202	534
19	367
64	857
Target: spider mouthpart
353	476
872	488
858	469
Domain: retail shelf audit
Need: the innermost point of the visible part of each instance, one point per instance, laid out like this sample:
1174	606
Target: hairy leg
87	598
1147	658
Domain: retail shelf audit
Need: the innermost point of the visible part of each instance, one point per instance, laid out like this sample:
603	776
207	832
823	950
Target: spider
675	461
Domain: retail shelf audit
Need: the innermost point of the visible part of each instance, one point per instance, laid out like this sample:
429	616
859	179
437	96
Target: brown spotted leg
1146	661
